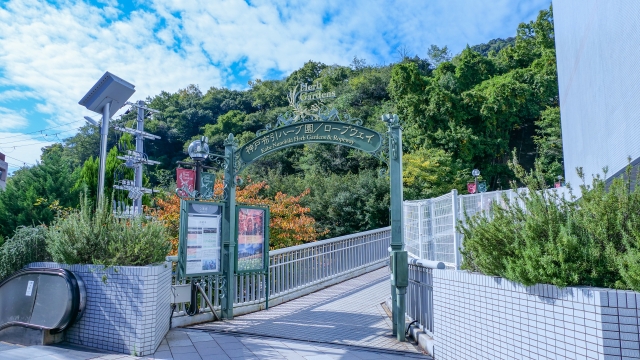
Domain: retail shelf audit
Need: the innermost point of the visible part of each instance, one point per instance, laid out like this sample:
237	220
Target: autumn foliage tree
290	223
169	212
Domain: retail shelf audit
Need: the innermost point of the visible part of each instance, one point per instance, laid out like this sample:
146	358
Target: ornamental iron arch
317	123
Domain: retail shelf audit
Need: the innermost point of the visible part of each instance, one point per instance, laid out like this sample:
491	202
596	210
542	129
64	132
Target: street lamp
106	97
475	173
198	152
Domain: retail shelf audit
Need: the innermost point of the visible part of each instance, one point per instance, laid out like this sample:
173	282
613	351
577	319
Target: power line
37	131
35	143
15	165
11	157
41	136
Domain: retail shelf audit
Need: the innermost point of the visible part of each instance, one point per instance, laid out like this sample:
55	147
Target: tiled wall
127	309
483	317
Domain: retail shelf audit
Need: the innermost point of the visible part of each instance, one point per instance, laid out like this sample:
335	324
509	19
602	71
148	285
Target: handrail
326	241
430	264
298	270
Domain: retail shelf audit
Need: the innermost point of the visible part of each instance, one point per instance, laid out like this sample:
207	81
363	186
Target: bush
594	240
88	236
26	246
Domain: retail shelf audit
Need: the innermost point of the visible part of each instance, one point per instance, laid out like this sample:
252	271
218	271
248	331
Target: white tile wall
482	317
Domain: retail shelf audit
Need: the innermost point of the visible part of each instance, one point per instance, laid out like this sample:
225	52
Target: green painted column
228	229
399	266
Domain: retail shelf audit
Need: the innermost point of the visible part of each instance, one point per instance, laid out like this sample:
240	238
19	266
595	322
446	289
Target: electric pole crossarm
144	134
139	160
142	106
128	188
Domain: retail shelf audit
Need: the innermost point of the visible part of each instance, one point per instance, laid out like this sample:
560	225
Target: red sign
471	187
557	184
186	178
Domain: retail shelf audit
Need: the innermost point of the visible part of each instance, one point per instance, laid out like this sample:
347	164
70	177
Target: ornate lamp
199	149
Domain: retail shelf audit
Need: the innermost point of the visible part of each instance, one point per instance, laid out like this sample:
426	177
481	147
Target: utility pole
137	203
137	159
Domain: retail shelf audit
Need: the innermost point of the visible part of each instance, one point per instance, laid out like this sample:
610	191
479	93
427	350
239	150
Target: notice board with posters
200	247
252	234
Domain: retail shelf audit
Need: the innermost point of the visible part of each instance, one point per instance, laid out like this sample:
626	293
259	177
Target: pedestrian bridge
327	293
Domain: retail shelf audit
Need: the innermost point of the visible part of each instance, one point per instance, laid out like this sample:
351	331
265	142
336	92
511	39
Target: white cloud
11	119
55	52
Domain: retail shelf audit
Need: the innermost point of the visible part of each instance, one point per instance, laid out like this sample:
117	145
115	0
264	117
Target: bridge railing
296	271
419	305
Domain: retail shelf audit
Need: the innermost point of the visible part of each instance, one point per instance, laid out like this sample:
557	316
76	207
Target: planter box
483	317
127	309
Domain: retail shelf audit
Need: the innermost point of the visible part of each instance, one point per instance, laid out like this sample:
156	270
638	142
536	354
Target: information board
202	240
253	239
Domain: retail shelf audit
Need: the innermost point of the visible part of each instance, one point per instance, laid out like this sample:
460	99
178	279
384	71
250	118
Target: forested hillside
471	110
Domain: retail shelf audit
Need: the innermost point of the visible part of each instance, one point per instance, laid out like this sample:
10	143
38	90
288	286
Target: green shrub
26	246
594	240
89	236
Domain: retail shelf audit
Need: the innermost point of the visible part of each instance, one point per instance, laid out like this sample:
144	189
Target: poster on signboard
185	178
253	243
203	239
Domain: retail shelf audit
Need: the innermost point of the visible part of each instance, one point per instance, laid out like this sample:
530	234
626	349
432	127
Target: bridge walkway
346	317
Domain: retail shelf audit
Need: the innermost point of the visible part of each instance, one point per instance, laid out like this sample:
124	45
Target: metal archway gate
302	126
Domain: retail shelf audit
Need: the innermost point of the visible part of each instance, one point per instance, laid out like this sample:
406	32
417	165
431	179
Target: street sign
332	132
471	187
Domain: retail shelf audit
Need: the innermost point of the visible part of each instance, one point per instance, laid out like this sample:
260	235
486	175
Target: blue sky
52	52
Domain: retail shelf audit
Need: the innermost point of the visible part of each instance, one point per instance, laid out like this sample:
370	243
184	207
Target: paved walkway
349	313
345	321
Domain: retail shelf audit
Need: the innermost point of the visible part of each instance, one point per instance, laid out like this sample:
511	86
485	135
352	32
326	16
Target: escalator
38	304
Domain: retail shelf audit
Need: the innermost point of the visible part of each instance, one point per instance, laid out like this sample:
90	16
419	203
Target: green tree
33	193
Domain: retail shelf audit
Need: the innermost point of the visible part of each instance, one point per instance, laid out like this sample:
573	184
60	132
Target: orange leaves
169	214
290	222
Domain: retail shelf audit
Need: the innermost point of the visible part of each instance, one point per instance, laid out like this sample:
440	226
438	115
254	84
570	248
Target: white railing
296	271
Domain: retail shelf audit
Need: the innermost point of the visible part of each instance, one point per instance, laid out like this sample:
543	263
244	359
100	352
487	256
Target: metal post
402	310
104	132
228	229
394	306
456	236
420	231
198	180
432	233
137	204
397	243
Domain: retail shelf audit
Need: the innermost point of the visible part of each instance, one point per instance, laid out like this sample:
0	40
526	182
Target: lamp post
475	173
198	152
106	97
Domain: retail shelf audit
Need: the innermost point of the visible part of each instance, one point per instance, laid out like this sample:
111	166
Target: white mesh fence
430	225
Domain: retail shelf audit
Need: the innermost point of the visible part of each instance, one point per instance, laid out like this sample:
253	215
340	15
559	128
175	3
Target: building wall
4	169
598	52
484	317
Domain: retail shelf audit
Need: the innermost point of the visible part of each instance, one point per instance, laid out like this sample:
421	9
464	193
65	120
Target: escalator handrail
76	294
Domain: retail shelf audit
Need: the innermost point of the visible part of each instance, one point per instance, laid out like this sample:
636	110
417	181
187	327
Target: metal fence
420	295
295	269
430	225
